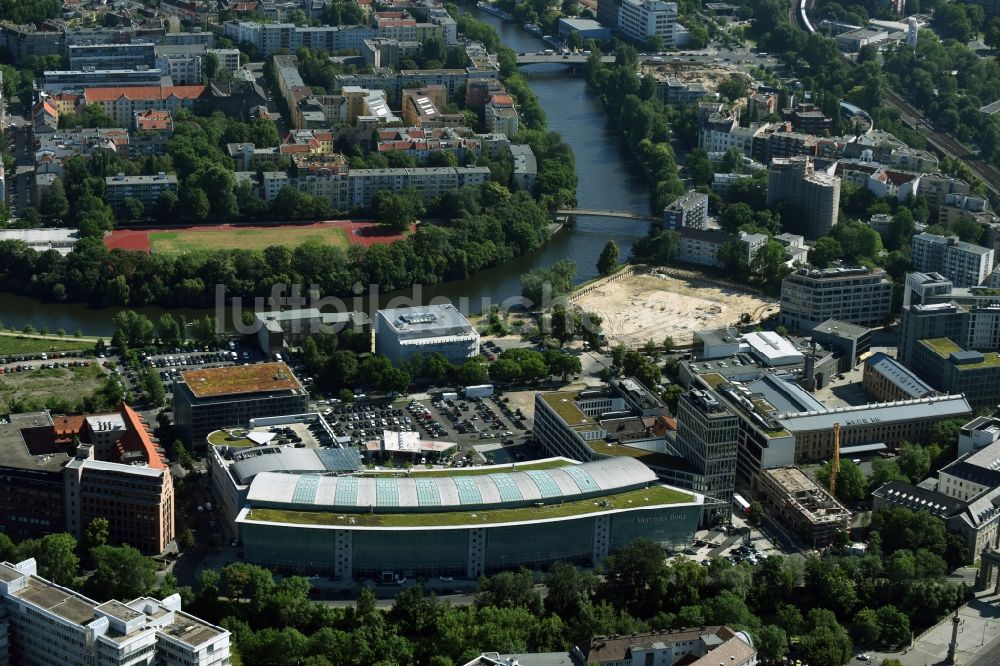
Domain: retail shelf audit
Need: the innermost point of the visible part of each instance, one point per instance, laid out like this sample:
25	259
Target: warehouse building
463	525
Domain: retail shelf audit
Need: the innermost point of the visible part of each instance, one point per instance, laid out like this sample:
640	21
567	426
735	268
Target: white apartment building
347	188
501	116
229	59
46	624
185	69
965	264
642	19
146	189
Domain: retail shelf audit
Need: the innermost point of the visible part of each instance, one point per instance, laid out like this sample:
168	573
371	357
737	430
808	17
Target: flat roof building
461	524
857	295
951	369
49	624
280	329
965	264
706	437
850	342
689	210
206	400
815	195
402	332
701	646
146	188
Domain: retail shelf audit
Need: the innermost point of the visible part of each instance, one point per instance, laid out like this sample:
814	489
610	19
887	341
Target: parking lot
172	363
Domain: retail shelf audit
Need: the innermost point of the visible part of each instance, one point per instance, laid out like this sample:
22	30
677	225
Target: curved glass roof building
461	524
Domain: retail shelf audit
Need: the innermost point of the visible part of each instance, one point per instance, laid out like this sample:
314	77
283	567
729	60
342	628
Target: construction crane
835	463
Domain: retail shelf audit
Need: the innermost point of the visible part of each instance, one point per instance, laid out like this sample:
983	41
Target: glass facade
410	552
539	544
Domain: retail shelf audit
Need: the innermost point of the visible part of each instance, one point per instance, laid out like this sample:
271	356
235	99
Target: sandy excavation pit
644	307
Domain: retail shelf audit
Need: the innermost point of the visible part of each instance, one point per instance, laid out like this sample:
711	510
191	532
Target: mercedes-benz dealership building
461	524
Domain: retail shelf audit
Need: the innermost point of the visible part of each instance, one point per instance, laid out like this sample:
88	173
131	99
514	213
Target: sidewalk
980	626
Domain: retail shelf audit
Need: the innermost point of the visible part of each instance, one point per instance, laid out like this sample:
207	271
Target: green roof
942	346
563	403
222	438
945	347
644	497
713	379
650	458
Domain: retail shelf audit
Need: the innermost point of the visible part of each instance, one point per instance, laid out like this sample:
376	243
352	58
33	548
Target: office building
587	29
702	246
860	296
280	329
607	12
402	332
978	433
389	527
969	317
850	343
622	419
117	472
689	210
206	400
112	56
804	508
695	646
950	369
706	438
641	19
815	196
965	264
147	189
121	104
46	624
886	380
886	424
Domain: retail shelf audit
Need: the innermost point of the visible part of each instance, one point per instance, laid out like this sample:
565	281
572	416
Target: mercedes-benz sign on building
460	524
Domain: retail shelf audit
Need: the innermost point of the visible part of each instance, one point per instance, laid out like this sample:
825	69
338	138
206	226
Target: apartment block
965	264
112	56
689	210
146	189
936	187
121	104
706	437
207	400
57	81
814	195
46	624
25	41
501	116
702	246
861	296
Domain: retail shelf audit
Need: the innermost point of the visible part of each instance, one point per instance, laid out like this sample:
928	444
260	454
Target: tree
54	203
211	65
771	642
866	627
825	251
132	209
569	590
914	461
185	539
607	263
168	330
121	572
733	87
894	626
635	578
153	387
509	589
826	643
95	534
55	555
185	459
851	482
671	395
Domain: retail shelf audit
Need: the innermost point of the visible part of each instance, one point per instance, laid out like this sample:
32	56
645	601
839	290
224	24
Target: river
608	179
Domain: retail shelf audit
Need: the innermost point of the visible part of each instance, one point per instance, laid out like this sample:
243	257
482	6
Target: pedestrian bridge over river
596	212
558	59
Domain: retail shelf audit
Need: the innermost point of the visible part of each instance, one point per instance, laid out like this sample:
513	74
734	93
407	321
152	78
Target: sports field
338	233
254	238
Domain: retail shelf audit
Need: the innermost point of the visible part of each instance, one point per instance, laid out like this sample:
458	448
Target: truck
449	395
478	391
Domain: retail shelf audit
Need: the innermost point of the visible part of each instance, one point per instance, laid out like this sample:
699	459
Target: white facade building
47	624
642	19
402	332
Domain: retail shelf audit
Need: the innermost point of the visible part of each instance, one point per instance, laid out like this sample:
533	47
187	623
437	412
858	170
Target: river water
608	179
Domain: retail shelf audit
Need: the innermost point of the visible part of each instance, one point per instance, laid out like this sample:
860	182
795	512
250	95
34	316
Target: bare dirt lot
650	307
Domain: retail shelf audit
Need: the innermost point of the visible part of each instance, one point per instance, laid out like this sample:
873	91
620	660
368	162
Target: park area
39	384
341	233
652	306
12	345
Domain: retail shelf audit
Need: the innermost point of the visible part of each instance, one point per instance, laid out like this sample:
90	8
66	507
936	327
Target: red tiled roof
505	100
137	439
91	95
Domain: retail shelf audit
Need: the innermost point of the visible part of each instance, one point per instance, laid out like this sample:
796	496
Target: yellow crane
835	463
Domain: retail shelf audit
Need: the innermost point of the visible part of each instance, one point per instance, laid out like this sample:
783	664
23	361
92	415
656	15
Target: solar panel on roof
585	482
509	492
347	491
427	493
305	489
468	490
546	486
386	492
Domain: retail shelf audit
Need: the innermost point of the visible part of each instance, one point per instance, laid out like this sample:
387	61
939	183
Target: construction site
653	305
